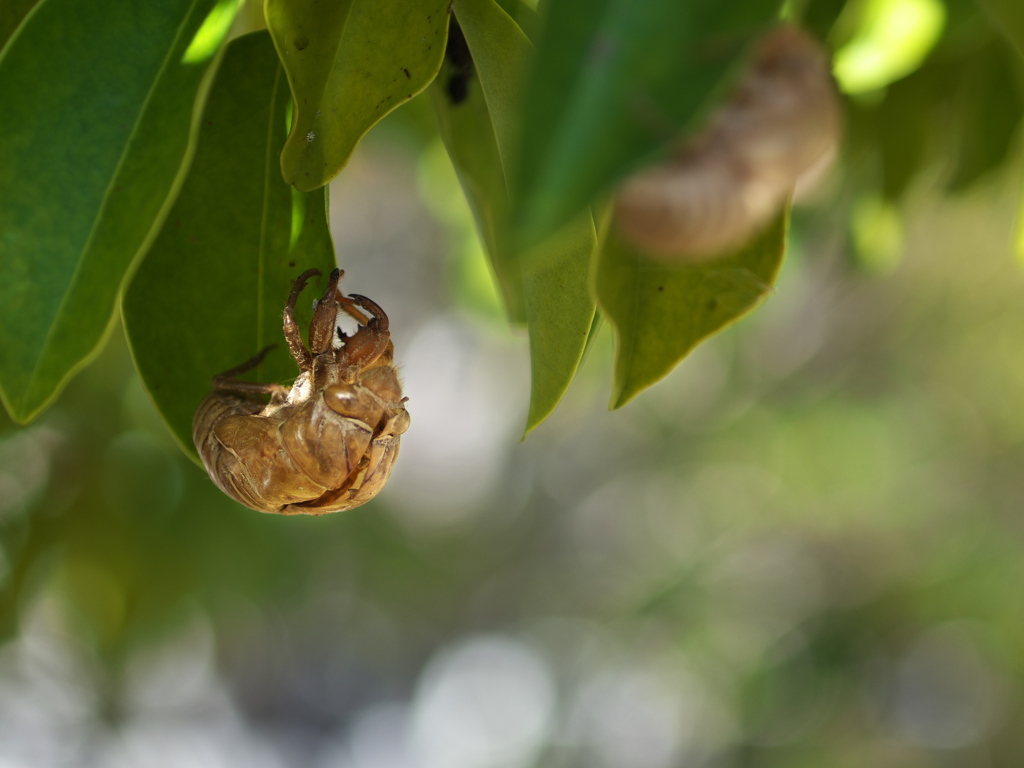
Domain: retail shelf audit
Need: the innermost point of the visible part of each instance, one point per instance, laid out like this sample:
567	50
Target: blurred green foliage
823	500
802	549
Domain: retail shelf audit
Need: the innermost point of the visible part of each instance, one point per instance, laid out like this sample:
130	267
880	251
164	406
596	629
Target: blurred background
803	548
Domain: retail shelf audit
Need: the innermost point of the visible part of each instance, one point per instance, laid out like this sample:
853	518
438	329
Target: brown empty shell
722	185
328	442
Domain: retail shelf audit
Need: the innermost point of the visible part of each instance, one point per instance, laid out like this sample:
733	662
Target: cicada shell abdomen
222	465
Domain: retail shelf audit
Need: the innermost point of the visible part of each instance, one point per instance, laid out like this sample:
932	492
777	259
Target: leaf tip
536	416
17	416
621	397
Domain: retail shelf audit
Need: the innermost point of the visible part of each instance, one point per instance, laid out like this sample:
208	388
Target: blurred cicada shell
328	442
721	186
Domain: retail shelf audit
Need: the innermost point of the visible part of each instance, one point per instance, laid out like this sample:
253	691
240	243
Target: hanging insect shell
783	121
328	442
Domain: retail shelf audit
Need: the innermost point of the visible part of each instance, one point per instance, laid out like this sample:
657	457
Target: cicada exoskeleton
328	442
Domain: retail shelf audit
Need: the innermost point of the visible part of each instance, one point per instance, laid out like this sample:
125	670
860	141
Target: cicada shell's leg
352	309
373	337
380	321
292	334
325	317
227	382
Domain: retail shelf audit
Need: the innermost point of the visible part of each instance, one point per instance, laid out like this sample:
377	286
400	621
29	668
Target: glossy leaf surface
92	138
349	63
210	292
660	311
613	82
547	286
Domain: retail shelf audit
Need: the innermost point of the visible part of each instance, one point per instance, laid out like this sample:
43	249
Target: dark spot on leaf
291	263
209	122
301	42
461	60
661	288
712	305
406	72
458	90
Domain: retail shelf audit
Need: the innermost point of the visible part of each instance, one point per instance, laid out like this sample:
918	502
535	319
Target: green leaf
210	292
468	136
662	311
1009	18
12	13
95	126
547	286
524	15
902	124
480	130
987	111
501	53
560	312
890	138
613	82
349	63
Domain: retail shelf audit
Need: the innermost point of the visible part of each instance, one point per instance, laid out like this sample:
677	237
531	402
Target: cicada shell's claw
363	348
